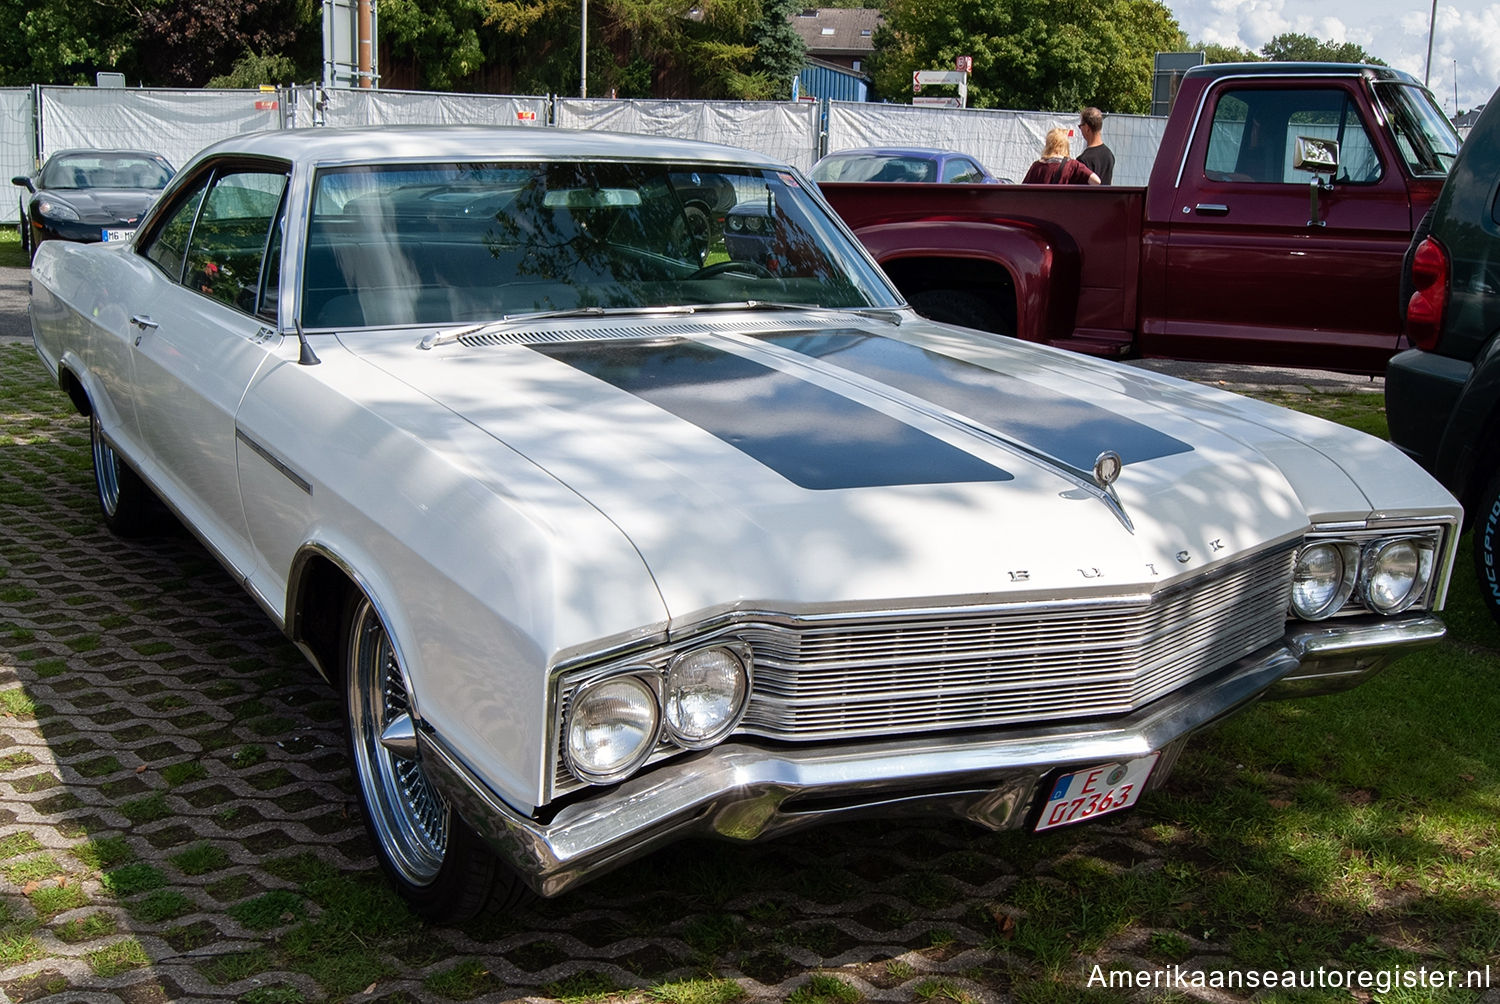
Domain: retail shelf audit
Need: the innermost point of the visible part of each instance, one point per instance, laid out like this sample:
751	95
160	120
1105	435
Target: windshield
446	243
1427	140
875	167
106	170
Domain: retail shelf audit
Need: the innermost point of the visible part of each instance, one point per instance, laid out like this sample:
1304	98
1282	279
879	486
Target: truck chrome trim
740	791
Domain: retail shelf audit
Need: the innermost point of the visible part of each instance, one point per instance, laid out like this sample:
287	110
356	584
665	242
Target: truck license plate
1094	791
118	235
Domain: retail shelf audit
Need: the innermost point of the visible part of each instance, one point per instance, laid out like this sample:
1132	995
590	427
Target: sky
1465	48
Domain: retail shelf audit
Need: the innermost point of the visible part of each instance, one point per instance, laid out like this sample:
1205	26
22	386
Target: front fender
1044	272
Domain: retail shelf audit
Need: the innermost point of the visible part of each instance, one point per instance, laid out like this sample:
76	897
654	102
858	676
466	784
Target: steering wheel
719	268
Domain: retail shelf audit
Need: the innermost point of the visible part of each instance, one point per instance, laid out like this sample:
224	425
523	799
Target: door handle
144	322
1211	209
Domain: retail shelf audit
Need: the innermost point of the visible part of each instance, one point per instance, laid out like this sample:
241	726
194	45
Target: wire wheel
407	815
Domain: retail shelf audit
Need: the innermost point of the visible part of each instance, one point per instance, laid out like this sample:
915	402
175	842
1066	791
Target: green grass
11	254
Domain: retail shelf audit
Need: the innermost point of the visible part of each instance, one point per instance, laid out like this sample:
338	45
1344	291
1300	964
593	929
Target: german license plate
118	235
1094	791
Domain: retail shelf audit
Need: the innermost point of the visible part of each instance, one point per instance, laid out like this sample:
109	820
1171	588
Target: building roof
846	30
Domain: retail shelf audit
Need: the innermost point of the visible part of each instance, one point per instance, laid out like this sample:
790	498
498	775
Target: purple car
902	163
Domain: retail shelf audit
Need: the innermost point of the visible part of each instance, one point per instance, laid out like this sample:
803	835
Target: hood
864	465
104	205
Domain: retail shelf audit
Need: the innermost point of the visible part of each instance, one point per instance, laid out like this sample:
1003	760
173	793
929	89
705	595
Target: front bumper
741	791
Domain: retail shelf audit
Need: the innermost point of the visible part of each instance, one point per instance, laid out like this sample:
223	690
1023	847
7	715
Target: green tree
1292	47
780	53
1029	54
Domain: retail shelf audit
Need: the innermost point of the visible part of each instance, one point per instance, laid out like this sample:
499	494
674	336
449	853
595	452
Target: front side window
167	246
1427	140
232	235
445	243
1254	132
959	171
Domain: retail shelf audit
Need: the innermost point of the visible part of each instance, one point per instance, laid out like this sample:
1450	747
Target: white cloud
1466	40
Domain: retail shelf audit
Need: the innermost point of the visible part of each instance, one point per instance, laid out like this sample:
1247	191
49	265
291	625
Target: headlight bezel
1370	559
743	655
1347	555
651	665
638	676
1358	545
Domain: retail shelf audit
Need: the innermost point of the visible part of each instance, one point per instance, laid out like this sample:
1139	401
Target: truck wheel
1487	546
961	307
437	863
128	507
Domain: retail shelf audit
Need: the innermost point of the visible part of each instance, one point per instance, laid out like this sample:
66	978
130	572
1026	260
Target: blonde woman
1055	166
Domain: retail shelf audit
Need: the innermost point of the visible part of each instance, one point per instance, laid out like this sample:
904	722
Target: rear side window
1254	133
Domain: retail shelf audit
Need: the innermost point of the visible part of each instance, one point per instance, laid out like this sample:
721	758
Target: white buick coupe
611	530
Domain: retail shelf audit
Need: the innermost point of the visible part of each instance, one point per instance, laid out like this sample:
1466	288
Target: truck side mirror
1316	156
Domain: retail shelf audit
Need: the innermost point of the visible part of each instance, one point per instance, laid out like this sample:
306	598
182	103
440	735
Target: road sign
920	77
939	102
964	64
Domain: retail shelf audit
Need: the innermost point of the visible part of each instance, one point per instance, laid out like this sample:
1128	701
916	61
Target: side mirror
1316	156
24	182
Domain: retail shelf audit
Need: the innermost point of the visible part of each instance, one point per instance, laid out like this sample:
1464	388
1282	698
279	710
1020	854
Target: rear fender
1043	271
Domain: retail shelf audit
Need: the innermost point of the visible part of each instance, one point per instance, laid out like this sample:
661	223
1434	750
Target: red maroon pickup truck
1272	230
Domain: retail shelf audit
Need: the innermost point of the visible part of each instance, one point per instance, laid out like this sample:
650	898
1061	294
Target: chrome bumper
741	791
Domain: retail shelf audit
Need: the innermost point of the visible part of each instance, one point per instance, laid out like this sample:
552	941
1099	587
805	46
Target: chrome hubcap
409	816
106	471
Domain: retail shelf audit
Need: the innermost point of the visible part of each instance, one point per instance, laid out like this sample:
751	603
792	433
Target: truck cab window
1254	132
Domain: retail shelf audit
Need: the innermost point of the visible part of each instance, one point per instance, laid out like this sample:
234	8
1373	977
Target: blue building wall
837	85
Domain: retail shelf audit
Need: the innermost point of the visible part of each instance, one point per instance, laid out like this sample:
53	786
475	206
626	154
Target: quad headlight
612	727
1379	572
691	699
704	694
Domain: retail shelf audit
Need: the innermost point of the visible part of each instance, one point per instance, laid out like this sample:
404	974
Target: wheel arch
1004	260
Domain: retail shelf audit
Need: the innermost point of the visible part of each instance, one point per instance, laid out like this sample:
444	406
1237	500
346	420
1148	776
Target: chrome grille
951	672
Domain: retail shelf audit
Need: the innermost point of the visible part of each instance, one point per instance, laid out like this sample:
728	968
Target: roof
837	29
363	145
1216	70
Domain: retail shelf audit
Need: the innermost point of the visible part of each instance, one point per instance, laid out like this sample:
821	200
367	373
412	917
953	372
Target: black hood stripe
1059	425
813	437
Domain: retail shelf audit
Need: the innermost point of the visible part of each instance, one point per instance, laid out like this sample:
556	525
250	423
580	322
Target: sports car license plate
1095	791
118	235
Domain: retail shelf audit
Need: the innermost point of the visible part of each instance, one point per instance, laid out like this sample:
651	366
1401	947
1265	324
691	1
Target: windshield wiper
890	314
512	320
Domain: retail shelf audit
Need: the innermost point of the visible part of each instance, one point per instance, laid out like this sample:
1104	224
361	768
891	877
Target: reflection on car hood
867	464
104	205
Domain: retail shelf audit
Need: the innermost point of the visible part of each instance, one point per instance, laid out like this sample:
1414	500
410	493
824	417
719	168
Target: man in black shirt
1096	156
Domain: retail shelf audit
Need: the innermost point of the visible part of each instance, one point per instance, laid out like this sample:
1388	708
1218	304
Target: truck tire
1487	546
961	307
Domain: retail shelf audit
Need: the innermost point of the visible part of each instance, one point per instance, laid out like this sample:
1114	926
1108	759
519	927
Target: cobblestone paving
177	823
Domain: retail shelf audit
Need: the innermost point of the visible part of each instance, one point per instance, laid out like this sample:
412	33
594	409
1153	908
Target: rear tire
128	506
437	863
1487	546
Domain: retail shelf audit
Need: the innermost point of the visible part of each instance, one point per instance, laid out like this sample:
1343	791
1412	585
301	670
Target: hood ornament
1107	467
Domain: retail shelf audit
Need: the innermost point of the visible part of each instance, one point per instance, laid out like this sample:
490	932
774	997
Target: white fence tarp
174	123
346	107
785	130
1004	141
17	146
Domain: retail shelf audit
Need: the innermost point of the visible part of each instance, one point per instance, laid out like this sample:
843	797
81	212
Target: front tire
128	507
436	862
1487	546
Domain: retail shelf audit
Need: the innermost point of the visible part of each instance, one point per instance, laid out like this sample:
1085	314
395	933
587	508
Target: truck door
1251	276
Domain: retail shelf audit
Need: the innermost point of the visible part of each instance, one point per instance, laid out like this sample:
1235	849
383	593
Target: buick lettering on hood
613	524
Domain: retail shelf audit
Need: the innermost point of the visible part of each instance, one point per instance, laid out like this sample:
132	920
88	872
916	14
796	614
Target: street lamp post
583	53
1431	30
